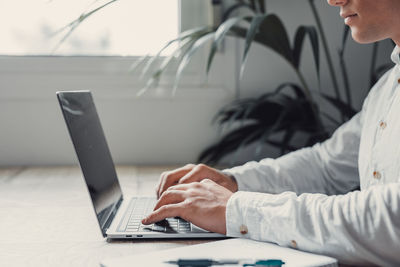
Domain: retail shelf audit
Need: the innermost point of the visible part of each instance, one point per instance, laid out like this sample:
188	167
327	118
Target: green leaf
289	134
273	34
221	32
330	118
229	143
275	39
192	33
265	108
271	113
157	75
233	8
343	67
326	48
279	145
237	31
261	4
296	89
301	33
258	5
154	80
187	57
232	110
345	35
346	109
75	23
248	139
251	33
137	63
268	131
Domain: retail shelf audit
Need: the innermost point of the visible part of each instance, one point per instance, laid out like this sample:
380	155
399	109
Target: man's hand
194	173
202	203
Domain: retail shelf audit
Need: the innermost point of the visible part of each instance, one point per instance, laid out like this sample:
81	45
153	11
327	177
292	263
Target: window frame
41	73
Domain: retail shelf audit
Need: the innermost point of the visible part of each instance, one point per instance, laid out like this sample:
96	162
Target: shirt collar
395	55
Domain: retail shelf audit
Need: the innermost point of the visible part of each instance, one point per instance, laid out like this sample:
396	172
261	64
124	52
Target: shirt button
398	81
243	229
377	175
293	243
383	125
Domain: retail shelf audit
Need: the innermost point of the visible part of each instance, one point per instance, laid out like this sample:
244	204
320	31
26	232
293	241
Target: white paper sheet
225	249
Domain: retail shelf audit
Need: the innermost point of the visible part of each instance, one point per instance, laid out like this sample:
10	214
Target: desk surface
47	218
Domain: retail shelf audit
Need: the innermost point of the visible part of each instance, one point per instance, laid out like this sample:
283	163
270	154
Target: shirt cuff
242	216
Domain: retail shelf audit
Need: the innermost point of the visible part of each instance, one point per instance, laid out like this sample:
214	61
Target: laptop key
158	228
170	225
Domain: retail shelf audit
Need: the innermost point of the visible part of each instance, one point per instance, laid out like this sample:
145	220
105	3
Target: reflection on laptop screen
93	154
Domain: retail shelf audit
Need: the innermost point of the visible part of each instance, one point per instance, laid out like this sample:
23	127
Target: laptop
117	217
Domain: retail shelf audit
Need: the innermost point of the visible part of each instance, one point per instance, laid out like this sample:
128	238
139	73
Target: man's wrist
233	182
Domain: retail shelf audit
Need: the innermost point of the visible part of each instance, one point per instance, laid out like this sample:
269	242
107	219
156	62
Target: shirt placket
377	172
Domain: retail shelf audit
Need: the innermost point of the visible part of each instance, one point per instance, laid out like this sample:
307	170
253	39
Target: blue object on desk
269	263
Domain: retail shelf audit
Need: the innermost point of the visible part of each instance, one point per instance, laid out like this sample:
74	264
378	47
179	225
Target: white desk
47	218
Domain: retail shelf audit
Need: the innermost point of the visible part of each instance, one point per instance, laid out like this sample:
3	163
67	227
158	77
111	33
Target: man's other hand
202	203
194	173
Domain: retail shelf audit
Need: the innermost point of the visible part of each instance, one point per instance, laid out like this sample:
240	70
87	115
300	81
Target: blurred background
159	127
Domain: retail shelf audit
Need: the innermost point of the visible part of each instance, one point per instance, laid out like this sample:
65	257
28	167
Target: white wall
154	129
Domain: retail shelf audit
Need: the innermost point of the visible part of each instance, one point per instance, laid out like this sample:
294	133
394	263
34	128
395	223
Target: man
304	199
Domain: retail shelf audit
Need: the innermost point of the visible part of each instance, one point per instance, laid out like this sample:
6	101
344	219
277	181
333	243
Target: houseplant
275	117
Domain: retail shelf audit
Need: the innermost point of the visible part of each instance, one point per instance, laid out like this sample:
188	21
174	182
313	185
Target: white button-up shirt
306	200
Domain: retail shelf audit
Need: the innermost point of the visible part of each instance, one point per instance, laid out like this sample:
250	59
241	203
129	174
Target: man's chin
361	38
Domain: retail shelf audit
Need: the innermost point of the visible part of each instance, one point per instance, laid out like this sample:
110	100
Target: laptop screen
93	154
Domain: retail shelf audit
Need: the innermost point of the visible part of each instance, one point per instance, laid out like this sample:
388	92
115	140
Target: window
26	71
28	27
32	129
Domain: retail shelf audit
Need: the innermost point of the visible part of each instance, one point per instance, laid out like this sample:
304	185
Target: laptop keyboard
139	208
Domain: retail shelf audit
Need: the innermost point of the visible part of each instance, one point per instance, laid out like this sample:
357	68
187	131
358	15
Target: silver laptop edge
98	169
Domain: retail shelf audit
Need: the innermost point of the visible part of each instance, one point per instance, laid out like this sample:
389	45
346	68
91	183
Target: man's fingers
171	210
197	174
170	178
170	197
179	187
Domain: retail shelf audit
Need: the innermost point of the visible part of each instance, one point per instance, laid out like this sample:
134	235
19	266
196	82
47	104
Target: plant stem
343	67
310	98
325	45
346	80
373	64
304	83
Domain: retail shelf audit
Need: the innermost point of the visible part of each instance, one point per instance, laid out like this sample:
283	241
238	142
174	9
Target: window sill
39	77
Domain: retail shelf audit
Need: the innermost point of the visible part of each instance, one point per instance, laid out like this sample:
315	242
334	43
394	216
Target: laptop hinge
111	217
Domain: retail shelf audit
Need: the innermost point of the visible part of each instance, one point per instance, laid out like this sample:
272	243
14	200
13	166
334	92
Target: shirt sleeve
343	226
330	167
